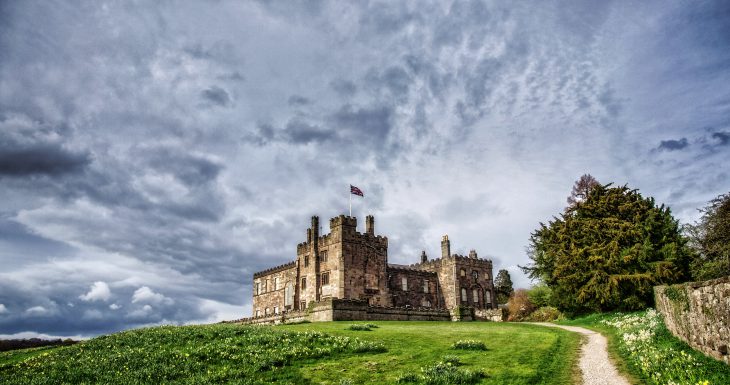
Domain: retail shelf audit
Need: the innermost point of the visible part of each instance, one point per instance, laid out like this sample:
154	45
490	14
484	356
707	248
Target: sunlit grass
316	353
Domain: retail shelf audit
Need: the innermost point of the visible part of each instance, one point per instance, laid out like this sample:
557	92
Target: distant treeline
6	345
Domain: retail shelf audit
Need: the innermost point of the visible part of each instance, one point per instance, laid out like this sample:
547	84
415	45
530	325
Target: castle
345	275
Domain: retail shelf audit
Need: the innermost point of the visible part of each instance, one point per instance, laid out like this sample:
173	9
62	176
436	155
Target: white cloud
146	295
3	309
142	312
99	291
114	306
37	311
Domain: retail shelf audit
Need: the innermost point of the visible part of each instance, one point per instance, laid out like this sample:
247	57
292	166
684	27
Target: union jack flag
356	191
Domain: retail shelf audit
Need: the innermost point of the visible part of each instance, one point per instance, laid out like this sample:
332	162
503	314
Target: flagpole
350	202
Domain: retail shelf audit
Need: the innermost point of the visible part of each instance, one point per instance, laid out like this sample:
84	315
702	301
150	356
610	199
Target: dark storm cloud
43	159
673	145
217	96
723	138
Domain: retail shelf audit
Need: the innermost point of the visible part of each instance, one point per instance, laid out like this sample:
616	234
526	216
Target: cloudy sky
154	155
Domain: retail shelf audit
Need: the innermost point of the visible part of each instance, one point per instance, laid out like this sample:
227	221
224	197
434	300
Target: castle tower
445	247
424	257
472	253
370	225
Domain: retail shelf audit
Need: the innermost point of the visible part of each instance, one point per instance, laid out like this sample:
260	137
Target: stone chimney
424	258
445	246
370	225
315	228
472	253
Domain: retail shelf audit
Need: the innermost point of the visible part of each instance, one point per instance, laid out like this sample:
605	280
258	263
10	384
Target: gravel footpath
594	364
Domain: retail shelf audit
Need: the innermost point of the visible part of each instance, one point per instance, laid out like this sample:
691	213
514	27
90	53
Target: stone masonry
699	314
346	265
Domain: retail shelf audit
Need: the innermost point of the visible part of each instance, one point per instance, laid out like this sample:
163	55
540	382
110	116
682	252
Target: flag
356	191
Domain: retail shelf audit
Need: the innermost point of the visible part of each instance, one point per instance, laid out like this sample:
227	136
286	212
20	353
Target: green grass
648	353
517	354
315	353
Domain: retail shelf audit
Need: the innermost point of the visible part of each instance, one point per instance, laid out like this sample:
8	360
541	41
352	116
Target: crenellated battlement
275	269
451	259
343	220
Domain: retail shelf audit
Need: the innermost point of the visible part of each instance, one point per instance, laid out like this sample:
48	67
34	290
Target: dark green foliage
608	251
503	286
540	295
710	238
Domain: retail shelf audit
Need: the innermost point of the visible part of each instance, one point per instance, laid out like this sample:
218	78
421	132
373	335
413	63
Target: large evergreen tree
608	251
710	237
503	286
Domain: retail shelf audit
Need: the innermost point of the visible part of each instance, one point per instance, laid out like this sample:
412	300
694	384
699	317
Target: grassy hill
318	353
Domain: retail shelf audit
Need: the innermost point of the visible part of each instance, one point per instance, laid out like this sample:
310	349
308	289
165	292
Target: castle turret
424	258
472	253
370	225
445	246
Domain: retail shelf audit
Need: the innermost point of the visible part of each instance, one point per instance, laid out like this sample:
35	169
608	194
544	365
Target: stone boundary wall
699	314
356	310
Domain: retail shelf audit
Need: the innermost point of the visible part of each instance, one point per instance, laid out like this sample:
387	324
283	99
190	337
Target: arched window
475	274
487	298
475	295
462	272
463	295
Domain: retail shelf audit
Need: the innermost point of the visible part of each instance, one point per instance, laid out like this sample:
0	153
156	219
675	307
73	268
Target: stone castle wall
348	265
414	288
699	314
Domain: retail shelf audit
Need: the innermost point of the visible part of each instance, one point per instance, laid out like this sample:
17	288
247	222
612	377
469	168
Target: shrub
545	314
443	373
519	306
452	359
408	378
469	345
540	295
372	326
359	327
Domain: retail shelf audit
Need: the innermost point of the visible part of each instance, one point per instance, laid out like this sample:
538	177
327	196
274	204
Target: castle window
463	295
323	256
325	278
304	283
475	275
487	298
302	305
276	284
266	283
475	295
306	261
404	283
425	303
288	295
258	288
425	286
258	313
266	311
463	273
276	310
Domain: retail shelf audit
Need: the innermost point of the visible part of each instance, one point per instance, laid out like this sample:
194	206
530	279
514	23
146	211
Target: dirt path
595	367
